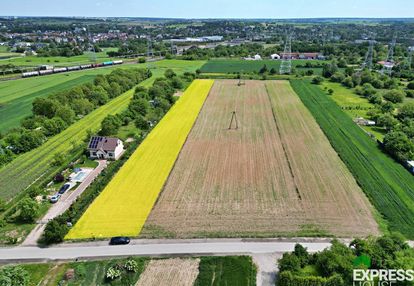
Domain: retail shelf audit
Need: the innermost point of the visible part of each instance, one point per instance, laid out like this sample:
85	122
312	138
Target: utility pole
389	63
234	119
286	65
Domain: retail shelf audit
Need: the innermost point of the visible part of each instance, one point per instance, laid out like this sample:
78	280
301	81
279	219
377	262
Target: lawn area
35	164
235	66
88	163
128	131
124	205
354	105
387	184
228	270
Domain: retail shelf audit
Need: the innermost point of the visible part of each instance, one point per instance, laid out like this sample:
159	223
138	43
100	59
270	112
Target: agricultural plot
28	167
235	66
387	184
174	271
16	106
228	270
123	206
275	175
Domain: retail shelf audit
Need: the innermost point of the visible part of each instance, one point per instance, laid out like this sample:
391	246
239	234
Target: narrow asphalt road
62	205
153	248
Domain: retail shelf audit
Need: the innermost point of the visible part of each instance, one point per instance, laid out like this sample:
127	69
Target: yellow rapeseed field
124	205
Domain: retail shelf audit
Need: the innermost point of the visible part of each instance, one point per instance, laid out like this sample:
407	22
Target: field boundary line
283	143
182	148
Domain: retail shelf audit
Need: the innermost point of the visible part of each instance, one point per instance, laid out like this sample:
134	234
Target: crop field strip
123	206
28	167
239	182
387	184
15	110
174	271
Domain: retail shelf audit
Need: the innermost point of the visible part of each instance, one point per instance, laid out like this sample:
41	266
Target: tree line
334	266
391	111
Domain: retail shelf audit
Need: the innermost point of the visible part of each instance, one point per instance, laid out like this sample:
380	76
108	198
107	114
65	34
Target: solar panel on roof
94	142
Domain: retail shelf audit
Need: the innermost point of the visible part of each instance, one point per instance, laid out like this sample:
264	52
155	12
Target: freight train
73	68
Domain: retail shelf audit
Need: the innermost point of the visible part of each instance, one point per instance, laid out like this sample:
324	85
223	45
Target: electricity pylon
149	50
389	63
369	56
286	65
410	57
234	120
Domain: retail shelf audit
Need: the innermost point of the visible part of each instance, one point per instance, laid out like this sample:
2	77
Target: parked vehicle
119	240
64	188
55	198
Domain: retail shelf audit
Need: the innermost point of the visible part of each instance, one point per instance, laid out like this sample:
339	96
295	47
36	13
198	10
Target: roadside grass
37	272
387	184
228	270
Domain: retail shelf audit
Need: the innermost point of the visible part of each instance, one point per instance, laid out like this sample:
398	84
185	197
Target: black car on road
118	240
64	188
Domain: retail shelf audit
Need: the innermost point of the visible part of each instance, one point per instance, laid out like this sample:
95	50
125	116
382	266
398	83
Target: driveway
63	204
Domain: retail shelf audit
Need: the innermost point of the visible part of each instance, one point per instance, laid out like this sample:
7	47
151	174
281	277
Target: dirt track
275	175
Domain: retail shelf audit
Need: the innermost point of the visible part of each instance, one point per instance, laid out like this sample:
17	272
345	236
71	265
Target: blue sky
210	8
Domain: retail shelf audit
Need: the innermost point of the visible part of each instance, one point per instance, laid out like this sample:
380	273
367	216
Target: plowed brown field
276	174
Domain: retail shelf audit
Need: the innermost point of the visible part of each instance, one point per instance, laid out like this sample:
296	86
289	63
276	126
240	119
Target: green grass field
13	111
388	185
34	61
235	66
354	105
26	168
228	270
